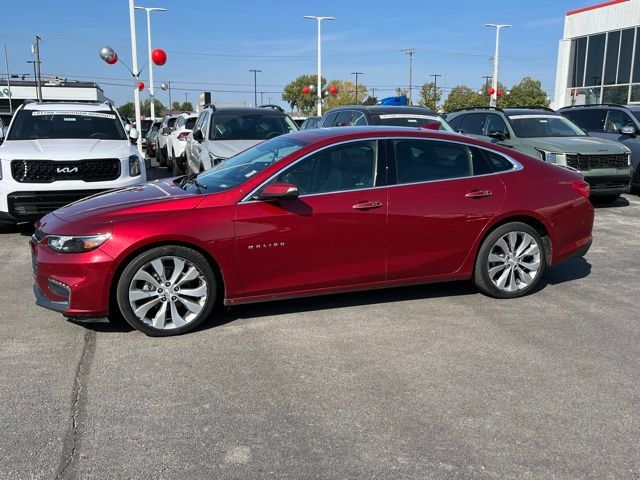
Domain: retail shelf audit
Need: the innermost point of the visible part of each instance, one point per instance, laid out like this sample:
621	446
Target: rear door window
474	123
616	119
329	119
590	119
495	123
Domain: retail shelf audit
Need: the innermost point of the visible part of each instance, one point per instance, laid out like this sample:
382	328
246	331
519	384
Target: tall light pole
134	67
435	89
494	95
255	86
410	52
151	92
319	86
356	74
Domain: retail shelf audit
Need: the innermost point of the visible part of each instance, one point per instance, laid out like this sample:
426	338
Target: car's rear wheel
167	290
162	157
510	262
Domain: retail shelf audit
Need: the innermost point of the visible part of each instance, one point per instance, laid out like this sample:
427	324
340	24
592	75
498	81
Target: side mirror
628	130
197	136
461	131
133	134
127	127
501	136
277	191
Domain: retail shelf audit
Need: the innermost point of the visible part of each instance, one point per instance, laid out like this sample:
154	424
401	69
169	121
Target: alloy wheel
168	292
514	261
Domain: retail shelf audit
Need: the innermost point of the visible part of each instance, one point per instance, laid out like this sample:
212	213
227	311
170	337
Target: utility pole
496	59
435	89
356	74
410	52
255	86
486	82
186	97
36	50
6	62
261	98
373	92
35	77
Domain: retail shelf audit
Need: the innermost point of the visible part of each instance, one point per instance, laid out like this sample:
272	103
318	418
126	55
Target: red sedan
308	213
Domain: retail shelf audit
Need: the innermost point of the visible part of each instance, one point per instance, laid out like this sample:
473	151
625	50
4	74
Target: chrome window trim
517	166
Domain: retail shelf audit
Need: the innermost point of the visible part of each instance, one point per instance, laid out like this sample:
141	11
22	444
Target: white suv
176	142
56	153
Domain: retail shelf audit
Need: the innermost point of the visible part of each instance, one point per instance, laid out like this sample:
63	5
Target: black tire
162	157
481	277
604	199
189	255
178	169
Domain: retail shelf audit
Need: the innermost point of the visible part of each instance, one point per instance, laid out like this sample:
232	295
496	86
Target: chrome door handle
479	194
367	205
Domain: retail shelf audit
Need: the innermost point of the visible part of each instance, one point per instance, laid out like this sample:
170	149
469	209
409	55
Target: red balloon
499	93
491	91
333	89
305	89
140	86
113	60
159	56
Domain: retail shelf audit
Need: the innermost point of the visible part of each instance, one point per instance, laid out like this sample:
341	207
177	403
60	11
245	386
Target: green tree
145	107
127	110
370	100
462	96
430	95
175	106
186	107
304	102
346	94
402	92
527	93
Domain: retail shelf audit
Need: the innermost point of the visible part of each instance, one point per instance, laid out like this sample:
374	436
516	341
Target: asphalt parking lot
428	382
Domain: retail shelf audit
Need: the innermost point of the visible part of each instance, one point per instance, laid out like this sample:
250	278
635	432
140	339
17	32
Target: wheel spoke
526	241
160	319
524	276
503	278
177	319
493	258
146	277
192	306
531	266
494	270
513	286
191	274
159	268
513	240
178	266
532	250
142	310
195	292
136	295
501	244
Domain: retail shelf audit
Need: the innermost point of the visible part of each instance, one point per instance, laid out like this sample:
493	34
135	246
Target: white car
177	140
161	140
56	153
220	133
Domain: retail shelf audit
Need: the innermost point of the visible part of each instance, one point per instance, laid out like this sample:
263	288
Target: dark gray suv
614	122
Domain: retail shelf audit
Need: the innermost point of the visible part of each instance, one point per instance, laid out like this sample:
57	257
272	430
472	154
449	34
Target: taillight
183	136
581	187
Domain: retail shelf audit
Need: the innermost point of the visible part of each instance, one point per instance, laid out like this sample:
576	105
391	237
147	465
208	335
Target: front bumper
608	181
29	206
74	284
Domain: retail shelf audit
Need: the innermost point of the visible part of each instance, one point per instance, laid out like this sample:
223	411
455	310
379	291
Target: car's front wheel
510	261
167	290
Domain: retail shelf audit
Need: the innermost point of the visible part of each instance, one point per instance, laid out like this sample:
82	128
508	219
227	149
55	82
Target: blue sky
212	45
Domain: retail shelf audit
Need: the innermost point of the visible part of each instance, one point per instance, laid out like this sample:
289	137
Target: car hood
583	145
229	148
66	149
149	198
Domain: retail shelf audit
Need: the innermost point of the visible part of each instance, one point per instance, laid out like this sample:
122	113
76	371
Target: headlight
553	157
134	166
76	244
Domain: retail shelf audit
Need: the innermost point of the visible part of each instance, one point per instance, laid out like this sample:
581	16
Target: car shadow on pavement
620	202
23	229
573	269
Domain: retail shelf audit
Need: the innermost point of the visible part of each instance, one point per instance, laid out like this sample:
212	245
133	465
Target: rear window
47	124
409	120
253	126
190	123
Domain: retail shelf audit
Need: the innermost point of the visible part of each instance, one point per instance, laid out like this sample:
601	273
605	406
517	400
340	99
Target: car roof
528	111
343	133
68	106
386	109
247	110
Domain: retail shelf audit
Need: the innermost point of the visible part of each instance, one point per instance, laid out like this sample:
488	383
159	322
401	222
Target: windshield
42	124
241	167
250	126
410	120
530	126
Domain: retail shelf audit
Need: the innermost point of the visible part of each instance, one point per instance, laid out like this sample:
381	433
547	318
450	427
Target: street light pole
255	86
319	86
356	74
134	67
435	89
494	95
36	50
410	52
151	91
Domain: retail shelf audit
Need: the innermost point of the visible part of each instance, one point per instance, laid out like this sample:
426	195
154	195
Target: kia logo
67	170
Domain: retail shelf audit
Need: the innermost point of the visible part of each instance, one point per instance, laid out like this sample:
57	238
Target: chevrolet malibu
307	213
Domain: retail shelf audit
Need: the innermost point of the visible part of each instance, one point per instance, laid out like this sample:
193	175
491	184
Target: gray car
548	136
613	122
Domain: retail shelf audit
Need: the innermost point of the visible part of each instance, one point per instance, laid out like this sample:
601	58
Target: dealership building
599	55
17	91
